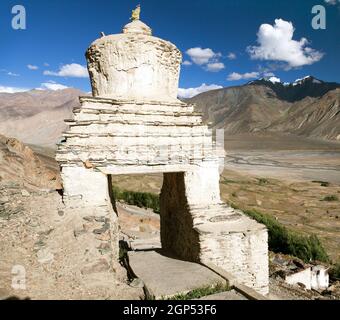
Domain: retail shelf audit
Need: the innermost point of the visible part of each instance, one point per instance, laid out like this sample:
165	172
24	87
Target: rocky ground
19	164
34	246
35	238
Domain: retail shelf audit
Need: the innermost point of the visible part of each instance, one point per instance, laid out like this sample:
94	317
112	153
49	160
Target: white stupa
134	124
134	65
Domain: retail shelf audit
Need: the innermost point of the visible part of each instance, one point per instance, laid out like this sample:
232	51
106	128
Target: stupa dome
134	65
137	26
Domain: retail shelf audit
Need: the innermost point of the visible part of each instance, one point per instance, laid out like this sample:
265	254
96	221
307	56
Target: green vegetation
227	181
262	181
322	183
330	198
307	248
139	199
201	292
334	272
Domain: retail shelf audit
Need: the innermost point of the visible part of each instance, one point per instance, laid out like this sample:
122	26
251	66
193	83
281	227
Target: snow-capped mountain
308	86
308	107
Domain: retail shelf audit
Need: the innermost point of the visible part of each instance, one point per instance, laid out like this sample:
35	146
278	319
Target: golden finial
135	13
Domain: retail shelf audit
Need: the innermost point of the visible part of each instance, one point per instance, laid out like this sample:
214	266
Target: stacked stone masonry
135	124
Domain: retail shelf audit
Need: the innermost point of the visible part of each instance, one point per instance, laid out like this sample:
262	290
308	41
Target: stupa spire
136	13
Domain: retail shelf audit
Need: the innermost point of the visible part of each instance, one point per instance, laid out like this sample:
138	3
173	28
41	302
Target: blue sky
224	43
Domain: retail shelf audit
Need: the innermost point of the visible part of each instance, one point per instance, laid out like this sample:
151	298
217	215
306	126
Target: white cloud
238	76
69	70
9	73
201	56
332	2
206	58
46	64
187	63
276	43
51	85
215	66
269	74
32	67
5	89
12	74
231	56
191	92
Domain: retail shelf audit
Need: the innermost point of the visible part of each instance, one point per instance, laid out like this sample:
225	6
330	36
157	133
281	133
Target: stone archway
195	224
134	123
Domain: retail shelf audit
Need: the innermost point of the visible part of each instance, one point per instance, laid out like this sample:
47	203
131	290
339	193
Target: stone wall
91	229
239	246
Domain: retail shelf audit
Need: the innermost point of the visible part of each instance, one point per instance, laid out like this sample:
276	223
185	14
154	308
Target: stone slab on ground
165	277
228	295
145	244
